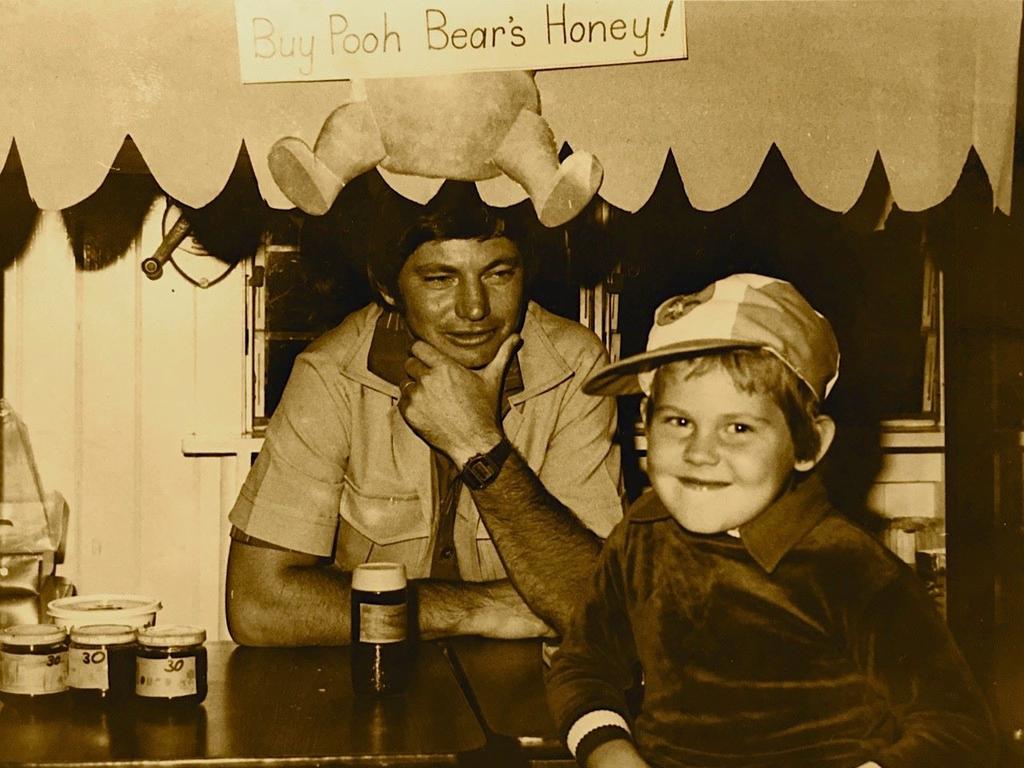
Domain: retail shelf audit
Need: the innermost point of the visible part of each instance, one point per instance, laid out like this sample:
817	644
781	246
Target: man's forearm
547	552
281	598
284	599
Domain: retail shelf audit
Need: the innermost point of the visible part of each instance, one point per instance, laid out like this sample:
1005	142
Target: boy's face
716	456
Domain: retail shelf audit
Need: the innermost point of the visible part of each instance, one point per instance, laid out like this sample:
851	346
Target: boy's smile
716	456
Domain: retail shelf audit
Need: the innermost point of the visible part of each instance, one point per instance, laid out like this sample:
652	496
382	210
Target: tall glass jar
381	662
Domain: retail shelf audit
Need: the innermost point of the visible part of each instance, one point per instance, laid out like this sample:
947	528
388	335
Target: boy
768	629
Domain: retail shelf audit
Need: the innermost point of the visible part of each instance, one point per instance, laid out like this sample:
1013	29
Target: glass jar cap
171	635
379	577
33	634
103	634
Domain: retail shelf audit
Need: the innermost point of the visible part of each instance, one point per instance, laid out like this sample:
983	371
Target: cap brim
620	378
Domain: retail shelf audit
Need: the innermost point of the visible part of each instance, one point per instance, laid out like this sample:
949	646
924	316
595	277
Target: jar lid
170	635
378	577
33	634
103	634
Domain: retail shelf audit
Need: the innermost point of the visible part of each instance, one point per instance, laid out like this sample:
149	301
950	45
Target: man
446	430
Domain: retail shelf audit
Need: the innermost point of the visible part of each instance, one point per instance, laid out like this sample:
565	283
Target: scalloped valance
830	83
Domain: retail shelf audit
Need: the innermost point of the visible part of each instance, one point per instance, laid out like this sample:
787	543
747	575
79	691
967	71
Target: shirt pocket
382	527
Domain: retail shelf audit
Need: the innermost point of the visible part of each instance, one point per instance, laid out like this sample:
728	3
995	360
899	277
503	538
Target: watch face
479	471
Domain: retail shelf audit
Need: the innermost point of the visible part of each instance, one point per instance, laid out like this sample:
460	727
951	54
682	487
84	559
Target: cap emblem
681	305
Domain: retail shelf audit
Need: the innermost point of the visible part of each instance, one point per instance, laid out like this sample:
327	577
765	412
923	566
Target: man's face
463	297
716	456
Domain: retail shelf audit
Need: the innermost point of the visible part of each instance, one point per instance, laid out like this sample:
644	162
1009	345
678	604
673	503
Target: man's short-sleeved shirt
342	473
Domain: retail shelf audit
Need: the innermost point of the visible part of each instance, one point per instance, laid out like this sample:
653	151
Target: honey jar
101	663
171	665
33	661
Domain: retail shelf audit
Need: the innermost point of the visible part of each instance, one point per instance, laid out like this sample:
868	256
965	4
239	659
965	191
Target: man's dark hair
453	218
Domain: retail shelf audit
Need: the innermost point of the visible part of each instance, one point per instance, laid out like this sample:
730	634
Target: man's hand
485	608
505	626
509	618
451	407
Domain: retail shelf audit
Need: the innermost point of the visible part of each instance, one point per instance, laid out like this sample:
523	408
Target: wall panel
40	352
109	463
111	371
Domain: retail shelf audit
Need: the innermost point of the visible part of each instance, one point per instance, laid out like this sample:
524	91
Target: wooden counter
506	680
266	707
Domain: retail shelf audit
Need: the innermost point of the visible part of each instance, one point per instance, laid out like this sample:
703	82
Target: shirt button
447	553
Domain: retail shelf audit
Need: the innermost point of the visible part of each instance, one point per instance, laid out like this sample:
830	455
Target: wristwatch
482	470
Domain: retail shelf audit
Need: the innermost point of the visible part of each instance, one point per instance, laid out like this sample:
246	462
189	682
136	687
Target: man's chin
471	358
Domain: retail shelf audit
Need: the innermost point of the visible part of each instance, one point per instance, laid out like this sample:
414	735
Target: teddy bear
465	126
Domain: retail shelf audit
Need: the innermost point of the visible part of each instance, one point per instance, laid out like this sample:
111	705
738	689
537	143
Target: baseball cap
740	311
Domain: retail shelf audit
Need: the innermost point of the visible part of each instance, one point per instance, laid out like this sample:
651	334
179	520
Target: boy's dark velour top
804	642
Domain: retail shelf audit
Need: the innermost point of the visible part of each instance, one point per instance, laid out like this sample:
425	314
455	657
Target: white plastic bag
30	519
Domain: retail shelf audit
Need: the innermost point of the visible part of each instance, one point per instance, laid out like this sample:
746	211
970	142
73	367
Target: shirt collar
543	366
774	532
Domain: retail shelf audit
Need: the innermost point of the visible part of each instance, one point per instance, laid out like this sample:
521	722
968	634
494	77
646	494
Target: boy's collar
770	535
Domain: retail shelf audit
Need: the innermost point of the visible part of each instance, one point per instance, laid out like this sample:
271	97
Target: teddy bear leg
558	191
349	144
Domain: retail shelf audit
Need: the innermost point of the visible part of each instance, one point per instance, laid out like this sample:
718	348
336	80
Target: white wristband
591	722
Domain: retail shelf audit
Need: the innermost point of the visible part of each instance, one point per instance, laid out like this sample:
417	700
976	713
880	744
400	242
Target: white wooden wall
110	372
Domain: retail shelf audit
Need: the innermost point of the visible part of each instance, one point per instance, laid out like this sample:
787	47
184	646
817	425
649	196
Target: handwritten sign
284	40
